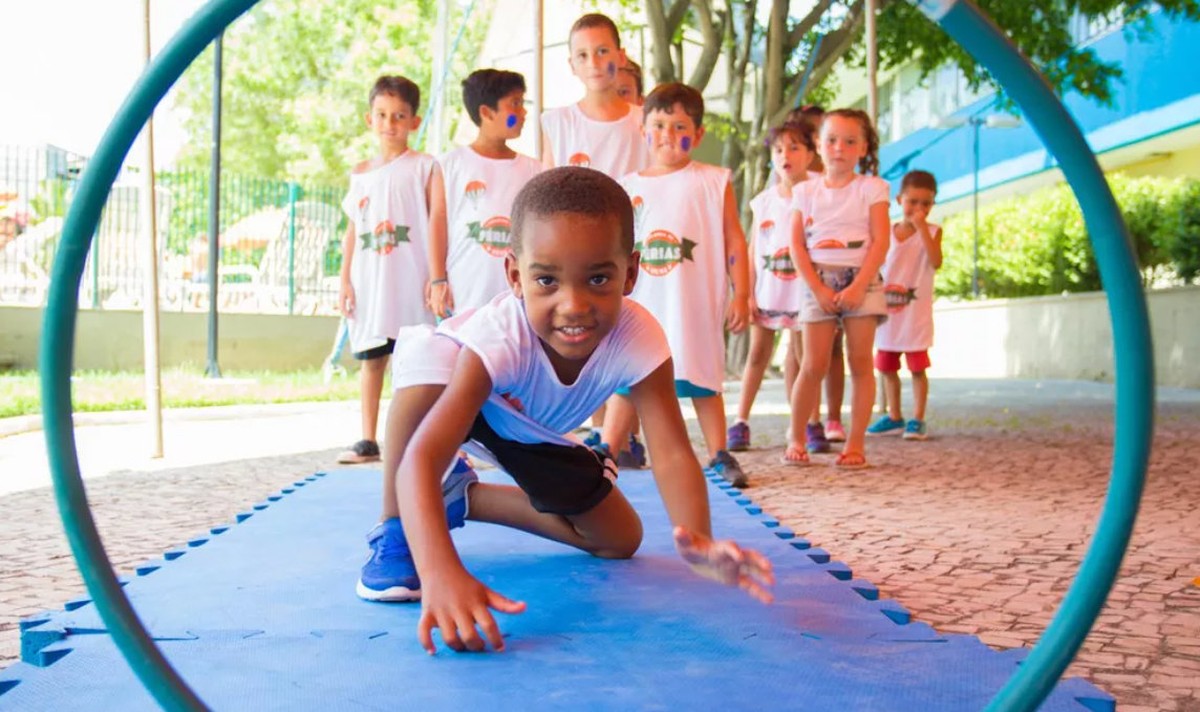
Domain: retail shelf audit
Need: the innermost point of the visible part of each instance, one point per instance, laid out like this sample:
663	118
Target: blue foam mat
263	616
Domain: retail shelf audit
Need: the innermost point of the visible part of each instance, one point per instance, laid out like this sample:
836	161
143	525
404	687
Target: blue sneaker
593	438
885	424
915	430
390	574
738	437
633	458
727	467
814	438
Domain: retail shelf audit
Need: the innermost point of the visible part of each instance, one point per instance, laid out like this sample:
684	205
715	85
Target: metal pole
293	196
214	214
149	220
975	124
441	41
872	64
537	78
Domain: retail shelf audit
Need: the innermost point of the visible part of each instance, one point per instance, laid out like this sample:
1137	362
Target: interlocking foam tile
263	616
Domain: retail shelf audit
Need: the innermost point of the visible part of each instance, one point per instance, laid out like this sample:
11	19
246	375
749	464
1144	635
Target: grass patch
91	391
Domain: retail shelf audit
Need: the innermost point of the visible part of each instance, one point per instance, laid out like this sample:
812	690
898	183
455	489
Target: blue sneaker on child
885	424
727	467
390	574
593	438
916	430
635	457
738	437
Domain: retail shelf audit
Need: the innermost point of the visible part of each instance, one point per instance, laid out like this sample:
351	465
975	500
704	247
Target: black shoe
359	452
725	466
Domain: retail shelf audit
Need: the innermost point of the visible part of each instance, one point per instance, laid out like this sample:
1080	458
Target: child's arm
739	264
441	301
931	240
346	289
802	261
451	599
752	262
681	486
851	297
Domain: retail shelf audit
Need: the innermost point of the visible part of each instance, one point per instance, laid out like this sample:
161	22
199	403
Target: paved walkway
979	530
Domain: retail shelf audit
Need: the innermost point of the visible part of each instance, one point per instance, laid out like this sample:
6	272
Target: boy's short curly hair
919	179
400	87
666	96
486	87
570	189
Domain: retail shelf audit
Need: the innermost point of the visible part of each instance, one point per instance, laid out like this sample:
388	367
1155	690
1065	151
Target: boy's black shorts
377	352
559	479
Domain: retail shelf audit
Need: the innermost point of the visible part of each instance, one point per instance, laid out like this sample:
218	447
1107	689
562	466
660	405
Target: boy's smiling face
572	275
595	58
391	120
671	136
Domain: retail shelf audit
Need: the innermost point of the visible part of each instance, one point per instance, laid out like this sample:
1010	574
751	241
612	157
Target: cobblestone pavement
979	530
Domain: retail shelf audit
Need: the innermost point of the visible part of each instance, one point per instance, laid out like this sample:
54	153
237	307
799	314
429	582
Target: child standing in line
630	85
839	242
515	376
692	247
602	131
481	180
913	258
392	202
774	289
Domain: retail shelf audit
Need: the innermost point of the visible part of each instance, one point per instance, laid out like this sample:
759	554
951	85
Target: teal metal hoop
964	22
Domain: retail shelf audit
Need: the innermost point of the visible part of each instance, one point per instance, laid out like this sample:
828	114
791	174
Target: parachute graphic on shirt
493	235
662	252
639	209
581	160
473	191
766	228
780	264
898	296
385	237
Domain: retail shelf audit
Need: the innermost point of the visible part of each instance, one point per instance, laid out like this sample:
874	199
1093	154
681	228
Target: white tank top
679	227
777	288
614	148
479	199
908	288
388	209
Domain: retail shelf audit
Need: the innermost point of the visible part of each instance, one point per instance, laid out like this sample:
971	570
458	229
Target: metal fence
280	241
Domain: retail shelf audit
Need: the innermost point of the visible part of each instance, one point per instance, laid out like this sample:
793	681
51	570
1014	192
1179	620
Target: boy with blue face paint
692	247
481	181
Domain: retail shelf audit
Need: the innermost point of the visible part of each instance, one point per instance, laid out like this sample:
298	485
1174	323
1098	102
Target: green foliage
51	199
1038	244
296	78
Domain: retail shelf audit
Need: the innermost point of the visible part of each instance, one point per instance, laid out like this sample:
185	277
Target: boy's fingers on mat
752	587
425	633
501	603
492	632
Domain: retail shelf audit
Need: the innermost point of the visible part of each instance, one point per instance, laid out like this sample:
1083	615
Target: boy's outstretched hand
455	604
723	560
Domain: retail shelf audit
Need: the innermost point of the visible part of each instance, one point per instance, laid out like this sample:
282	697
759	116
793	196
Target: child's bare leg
762	344
610	530
860	341
620	418
370	388
408	409
598	417
791	362
835	382
818	341
891	385
710	411
920	394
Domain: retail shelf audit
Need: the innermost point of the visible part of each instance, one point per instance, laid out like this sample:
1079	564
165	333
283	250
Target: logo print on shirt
639	209
474	191
766	229
898	296
385	237
492	235
780	264
663	252
582	160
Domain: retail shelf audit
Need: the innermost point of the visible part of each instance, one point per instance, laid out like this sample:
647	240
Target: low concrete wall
1063	337
1041	337
112	340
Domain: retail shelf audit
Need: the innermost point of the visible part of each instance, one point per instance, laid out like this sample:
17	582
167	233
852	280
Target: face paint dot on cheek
685	143
612	69
511	121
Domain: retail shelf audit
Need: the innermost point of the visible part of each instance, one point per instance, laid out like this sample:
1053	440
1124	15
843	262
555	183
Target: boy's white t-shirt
529	404
680	231
908	287
837	221
614	148
479	198
387	206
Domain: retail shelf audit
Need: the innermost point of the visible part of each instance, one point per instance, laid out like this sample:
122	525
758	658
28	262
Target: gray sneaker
727	467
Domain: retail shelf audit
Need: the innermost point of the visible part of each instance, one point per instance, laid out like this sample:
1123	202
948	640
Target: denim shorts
838	278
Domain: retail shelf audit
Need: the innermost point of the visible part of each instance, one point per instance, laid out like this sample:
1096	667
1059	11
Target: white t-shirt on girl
908	288
529	403
837	222
611	147
679	225
389	212
479	199
776	284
